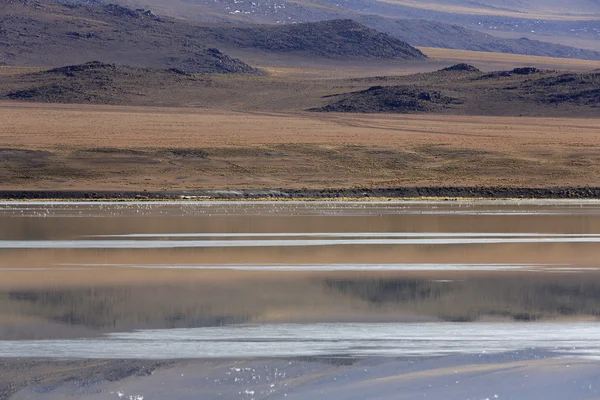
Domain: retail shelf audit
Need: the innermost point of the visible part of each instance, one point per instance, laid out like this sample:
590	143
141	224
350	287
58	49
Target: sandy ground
102	147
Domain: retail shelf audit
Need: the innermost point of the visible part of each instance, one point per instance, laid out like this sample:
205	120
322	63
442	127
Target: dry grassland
488	60
7	71
103	147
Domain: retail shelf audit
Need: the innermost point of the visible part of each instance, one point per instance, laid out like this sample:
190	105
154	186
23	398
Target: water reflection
87	270
225	298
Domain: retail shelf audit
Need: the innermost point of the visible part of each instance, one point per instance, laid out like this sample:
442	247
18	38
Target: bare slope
536	9
271	10
96	83
425	33
330	39
47	33
572	24
570	29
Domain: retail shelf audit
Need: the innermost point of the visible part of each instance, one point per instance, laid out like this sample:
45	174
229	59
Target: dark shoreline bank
16	374
441	192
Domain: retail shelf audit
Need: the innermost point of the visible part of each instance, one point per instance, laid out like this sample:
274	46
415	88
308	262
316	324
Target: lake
387	281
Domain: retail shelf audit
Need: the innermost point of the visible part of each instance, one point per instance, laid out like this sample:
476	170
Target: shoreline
358	194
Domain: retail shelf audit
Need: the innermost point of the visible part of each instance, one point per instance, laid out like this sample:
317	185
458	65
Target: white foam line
154	244
341	234
45	269
354	267
345	339
337	267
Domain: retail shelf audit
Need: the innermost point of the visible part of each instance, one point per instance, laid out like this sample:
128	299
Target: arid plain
135	148
254	132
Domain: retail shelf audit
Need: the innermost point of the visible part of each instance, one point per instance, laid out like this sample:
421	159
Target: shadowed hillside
419	32
459	89
331	39
46	33
505	22
96	83
462	89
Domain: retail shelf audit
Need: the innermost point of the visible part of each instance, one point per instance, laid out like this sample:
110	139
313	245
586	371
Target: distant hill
48	33
573	23
257	12
436	34
524	9
95	83
457	89
330	39
265	11
489	25
462	89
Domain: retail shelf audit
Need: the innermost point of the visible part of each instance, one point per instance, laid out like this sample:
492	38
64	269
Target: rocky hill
95	83
458	89
569	23
330	39
419	32
462	89
48	33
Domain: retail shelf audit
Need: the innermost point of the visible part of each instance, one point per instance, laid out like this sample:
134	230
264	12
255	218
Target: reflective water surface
300	300
193	280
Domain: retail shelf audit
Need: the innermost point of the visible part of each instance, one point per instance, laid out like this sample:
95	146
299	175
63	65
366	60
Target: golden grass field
136	148
6	70
301	68
487	61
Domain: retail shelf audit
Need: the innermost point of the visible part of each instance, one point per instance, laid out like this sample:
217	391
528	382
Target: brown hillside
463	89
46	33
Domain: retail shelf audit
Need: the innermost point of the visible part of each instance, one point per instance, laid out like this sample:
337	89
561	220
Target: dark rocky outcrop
391	99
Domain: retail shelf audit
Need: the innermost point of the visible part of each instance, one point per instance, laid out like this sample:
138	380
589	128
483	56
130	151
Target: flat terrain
104	147
488	61
301	67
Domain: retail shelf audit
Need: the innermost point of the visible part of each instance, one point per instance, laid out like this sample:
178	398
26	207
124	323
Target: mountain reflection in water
408	263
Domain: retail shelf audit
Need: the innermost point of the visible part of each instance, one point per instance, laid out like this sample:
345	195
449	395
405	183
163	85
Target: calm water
256	279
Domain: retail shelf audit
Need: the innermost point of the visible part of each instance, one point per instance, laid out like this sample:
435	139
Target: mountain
530	9
256	11
330	39
48	33
425	33
266	11
573	24
491	25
